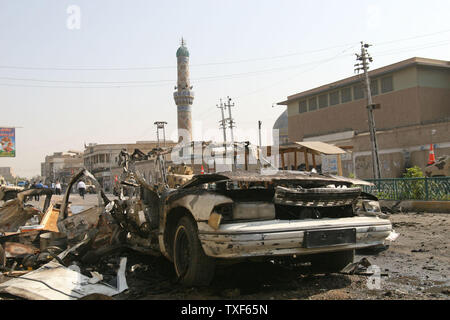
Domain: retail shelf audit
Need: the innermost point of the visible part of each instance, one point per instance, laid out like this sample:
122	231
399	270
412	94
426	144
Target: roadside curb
416	206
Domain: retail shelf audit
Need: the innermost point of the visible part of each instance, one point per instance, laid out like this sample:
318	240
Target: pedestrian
58	187
81	186
38	186
53	185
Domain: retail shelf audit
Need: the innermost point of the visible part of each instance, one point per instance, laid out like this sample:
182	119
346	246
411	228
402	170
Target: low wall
416	206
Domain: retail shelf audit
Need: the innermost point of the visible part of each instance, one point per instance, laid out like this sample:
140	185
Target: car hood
270	176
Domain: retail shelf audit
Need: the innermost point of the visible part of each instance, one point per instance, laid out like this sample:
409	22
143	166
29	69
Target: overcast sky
107	77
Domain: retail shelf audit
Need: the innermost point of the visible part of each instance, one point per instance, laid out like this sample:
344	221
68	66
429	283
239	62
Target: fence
435	188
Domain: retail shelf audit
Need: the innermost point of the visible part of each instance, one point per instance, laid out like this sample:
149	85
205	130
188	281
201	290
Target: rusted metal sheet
50	219
14	249
274	176
76	226
14	215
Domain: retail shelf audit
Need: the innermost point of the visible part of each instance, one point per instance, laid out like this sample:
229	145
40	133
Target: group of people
39	185
56	186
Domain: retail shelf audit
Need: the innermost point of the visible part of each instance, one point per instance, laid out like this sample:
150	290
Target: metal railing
434	188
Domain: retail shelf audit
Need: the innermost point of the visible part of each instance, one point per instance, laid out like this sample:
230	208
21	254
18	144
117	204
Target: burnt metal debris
195	221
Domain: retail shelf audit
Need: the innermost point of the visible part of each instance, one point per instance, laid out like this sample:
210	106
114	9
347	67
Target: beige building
414	96
7	173
102	159
61	165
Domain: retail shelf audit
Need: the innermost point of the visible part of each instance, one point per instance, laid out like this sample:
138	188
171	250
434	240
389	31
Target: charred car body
228	216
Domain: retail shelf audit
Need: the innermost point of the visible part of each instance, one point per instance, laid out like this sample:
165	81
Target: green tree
416	190
413	172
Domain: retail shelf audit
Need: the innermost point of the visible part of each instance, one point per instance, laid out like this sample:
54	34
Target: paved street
416	266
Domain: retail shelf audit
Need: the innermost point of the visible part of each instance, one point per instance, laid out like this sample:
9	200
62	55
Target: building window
302	107
387	84
334	98
312	104
374	87
323	101
346	95
358	92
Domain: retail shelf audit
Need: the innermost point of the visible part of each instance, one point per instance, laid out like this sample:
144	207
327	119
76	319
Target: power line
83	68
158	83
408	49
95	68
412	38
298	74
226	76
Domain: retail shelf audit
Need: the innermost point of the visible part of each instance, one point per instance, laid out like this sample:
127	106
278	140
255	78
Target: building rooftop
376	72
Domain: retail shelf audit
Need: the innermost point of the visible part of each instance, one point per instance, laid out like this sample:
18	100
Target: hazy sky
107	77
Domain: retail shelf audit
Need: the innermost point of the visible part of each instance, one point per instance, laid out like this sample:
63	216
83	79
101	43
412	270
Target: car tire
332	261
192	266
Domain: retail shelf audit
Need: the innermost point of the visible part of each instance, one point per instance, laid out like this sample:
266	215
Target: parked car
21	184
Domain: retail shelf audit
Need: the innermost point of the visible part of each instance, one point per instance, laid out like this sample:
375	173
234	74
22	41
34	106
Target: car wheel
192	266
332	261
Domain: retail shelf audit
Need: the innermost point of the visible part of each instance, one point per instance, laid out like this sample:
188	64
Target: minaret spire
183	95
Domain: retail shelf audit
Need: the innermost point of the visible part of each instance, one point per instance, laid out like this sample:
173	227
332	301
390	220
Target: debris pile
51	253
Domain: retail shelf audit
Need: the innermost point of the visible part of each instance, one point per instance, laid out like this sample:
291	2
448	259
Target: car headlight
371	206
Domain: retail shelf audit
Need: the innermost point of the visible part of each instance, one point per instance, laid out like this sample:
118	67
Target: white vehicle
230	216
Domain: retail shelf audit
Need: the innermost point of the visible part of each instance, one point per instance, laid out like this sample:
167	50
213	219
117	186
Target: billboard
7	142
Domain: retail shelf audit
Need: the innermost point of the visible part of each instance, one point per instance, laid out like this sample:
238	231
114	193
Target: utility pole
230	119
259	142
223	123
160	125
364	59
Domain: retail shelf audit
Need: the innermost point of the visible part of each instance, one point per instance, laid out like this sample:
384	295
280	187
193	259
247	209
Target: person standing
58	188
38	186
81	186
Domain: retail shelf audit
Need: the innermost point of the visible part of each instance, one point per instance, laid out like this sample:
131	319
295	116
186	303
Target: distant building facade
414	96
7	173
102	159
60	166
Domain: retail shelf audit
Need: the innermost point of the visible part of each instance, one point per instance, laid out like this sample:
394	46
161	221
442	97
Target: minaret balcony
183	97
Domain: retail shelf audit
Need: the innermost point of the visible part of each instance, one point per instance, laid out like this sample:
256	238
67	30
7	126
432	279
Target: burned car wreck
197	221
225	217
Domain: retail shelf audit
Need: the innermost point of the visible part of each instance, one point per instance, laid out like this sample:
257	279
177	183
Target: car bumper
283	238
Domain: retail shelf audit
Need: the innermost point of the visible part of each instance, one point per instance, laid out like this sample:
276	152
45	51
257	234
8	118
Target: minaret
183	95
